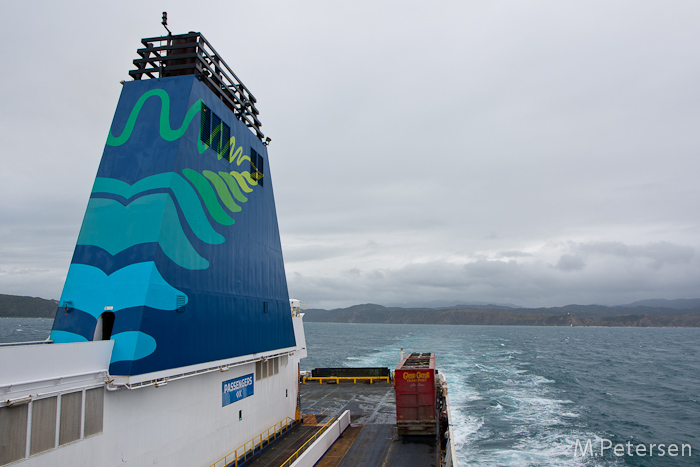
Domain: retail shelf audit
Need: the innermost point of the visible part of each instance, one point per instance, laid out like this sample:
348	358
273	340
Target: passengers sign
236	389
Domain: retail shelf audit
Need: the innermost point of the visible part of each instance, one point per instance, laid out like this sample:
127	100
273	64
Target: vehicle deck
371	439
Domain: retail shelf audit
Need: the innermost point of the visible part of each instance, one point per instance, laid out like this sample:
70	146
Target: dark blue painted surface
193	273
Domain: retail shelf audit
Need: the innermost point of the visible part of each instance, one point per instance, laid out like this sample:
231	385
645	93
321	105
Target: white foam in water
504	415
463	393
525	426
464	428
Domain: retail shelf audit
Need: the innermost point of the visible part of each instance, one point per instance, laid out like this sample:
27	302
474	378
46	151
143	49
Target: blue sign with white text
236	389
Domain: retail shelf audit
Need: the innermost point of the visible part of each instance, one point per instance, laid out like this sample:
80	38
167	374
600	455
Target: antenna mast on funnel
165	23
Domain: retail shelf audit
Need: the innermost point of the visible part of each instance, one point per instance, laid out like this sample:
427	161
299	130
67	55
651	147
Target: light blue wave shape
185	196
151	218
132	345
65	337
128	345
90	290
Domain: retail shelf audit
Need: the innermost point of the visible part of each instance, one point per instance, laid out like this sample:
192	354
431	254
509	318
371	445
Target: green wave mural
185	196
217	189
222	190
233	186
201	183
235	154
244	181
153	217
166	132
149	219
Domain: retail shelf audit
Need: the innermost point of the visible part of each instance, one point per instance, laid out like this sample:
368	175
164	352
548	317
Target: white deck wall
182	423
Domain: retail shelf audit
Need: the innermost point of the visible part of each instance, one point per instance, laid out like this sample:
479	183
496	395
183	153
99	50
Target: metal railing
254	445
308	443
122	382
192	54
337	379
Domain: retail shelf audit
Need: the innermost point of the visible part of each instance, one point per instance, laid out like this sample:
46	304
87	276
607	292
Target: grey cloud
536	283
660	254
513	254
570	263
435	275
477	160
319	252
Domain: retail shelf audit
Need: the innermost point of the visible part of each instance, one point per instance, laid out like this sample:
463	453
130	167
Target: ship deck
370	440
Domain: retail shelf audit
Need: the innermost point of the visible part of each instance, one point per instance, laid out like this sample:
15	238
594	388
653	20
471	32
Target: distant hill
13	306
679	304
600	311
571	315
676	313
453	304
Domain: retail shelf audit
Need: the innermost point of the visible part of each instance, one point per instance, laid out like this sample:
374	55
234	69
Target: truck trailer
416	395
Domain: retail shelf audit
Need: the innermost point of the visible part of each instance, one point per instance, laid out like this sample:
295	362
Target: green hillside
13	306
573	315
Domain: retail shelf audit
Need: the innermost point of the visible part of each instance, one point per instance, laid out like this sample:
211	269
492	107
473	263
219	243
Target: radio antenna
165	23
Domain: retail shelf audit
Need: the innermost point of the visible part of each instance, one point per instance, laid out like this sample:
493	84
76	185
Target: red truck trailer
415	385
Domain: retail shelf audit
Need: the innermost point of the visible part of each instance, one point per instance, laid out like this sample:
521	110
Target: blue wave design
90	290
99	258
149	219
185	196
132	345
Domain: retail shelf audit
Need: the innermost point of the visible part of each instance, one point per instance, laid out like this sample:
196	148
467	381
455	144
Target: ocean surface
533	396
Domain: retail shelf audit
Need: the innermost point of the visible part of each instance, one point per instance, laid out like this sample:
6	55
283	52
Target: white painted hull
182	422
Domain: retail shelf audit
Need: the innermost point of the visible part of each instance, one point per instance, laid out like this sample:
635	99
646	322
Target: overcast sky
539	153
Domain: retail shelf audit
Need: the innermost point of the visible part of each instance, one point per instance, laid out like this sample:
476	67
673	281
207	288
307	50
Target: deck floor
280	450
371	439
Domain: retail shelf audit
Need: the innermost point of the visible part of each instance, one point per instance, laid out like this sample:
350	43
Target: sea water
24	329
538	396
533	396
